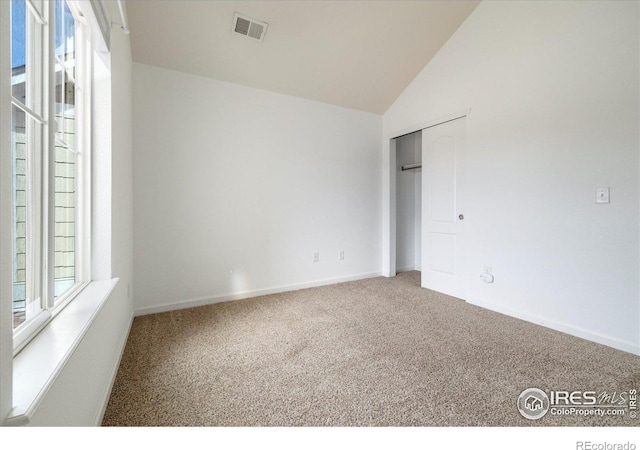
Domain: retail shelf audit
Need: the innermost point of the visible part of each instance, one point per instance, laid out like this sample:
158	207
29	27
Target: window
50	65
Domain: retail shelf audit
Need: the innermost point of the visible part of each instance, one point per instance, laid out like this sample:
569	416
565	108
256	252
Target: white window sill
38	365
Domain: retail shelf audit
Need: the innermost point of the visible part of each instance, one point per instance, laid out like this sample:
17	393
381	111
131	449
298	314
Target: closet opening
408	202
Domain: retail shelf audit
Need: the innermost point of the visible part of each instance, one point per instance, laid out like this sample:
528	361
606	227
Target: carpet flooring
376	352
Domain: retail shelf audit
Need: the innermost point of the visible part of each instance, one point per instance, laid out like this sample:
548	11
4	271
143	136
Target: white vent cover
249	27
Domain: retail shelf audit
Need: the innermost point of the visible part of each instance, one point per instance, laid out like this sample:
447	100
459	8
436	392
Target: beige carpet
377	352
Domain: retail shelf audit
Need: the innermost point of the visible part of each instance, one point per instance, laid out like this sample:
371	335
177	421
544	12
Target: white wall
408	203
554	92
79	394
236	188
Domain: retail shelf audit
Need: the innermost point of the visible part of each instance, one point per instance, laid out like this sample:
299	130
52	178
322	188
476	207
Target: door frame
389	171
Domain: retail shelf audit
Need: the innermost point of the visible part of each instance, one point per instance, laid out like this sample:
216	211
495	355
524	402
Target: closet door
442	214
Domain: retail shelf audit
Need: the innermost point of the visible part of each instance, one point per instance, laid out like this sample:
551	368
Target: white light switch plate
602	195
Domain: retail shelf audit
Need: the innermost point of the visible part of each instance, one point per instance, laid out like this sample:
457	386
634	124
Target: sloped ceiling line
355	54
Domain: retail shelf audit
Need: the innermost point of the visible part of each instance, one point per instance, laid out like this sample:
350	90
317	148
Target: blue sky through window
18	22
18	30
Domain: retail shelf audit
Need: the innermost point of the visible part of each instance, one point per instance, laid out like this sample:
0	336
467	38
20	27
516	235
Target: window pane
24	146
59	31
69	41
65	159
18	50
65	192
65	105
65	67
65	36
65	220
19	195
60	92
26	56
69	114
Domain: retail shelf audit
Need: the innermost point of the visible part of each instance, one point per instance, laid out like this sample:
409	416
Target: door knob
461	217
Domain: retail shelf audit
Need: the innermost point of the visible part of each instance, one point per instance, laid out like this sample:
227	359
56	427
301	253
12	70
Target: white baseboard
618	344
209	300
405	269
112	378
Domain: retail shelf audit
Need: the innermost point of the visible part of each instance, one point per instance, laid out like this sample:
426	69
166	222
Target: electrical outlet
316	257
341	255
486	269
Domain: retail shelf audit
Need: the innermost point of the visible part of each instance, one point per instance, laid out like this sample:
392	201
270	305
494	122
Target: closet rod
411	166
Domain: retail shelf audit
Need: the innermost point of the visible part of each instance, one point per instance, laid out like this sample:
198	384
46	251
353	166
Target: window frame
41	178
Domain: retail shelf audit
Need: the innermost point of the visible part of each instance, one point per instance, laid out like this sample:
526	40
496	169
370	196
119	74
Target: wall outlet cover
602	195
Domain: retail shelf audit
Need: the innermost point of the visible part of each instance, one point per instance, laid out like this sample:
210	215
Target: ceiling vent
249	27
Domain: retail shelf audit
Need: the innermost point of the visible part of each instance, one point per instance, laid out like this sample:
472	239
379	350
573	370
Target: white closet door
442	214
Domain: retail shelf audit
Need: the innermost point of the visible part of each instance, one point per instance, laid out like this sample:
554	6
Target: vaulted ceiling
355	54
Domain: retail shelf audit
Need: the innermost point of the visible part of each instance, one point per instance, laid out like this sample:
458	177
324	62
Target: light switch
602	195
